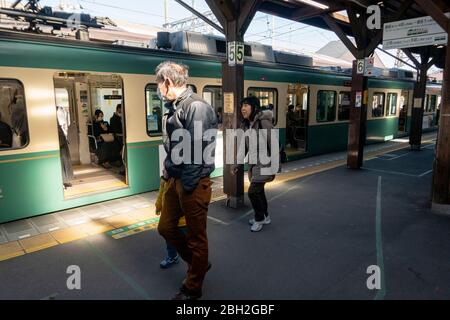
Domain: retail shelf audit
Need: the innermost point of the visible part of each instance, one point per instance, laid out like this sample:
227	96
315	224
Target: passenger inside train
5	134
291	122
116	126
66	161
108	148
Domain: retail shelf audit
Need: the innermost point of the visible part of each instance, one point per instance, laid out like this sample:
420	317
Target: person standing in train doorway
189	190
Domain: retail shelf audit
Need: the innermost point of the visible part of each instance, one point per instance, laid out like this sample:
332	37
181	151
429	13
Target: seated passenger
291	122
116	124
5	135
108	150
378	111
19	123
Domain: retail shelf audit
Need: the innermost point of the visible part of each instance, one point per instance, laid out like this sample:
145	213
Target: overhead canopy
312	12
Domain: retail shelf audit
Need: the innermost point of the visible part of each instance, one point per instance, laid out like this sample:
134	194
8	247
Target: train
41	74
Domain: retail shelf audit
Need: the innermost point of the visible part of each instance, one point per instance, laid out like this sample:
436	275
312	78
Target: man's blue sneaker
168	262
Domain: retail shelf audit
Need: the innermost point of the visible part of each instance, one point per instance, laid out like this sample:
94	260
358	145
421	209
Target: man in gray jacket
189	187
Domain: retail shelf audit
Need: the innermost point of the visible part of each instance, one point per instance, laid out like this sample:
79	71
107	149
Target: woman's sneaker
266	220
168	262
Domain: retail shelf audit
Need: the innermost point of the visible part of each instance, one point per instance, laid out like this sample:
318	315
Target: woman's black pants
258	199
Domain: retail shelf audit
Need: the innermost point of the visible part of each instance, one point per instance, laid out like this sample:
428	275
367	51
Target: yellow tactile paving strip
43	241
10	250
68	235
36	243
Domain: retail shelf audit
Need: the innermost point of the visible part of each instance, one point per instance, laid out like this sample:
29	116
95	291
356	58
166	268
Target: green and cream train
42	74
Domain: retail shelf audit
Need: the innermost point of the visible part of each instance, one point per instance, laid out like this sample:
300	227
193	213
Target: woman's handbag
107	137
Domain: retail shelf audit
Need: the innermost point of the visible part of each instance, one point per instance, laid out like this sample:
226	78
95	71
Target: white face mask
160	95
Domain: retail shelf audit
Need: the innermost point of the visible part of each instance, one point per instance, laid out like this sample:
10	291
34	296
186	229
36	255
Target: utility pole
166	11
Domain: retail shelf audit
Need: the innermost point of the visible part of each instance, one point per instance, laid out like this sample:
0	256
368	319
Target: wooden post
441	176
233	82
415	135
235	17
358	117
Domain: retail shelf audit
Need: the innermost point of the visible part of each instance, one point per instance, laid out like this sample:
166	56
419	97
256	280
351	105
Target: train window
378	104
326	106
155	110
391	104
344	106
268	99
213	95
194	88
432	103
13	115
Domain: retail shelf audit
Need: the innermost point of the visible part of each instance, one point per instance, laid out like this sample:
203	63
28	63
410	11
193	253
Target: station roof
311	12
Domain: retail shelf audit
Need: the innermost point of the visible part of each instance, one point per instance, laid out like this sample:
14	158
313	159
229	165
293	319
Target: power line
290	31
121	8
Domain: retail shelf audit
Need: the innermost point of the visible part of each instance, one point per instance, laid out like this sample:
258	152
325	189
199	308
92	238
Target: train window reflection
326	106
13	116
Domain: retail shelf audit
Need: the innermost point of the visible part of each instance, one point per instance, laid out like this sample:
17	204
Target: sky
286	33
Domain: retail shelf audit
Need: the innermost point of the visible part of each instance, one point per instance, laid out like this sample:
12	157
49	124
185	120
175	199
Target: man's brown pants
193	247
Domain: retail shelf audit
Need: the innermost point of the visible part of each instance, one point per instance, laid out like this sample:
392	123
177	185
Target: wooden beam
332	24
433	10
379	35
224	11
246	13
431	62
411	57
311	12
357	26
201	16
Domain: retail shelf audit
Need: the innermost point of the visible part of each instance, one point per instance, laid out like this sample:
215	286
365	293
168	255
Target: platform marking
271	199
425	173
125	277
133	229
391	172
379	243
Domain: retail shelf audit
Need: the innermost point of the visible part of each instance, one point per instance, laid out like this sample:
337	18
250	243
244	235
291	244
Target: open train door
297	132
92	161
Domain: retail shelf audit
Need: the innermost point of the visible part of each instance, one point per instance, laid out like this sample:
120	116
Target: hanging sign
228	102
368	66
360	66
358	100
235	53
417	32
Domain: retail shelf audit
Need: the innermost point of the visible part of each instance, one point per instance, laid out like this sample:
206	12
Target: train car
48	82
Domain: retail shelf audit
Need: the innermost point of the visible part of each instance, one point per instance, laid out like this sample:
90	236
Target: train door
97	145
297	122
67	115
403	115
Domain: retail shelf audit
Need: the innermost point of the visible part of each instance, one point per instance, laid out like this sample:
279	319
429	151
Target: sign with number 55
235	53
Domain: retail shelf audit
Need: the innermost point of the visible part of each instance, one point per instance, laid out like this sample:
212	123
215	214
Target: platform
329	225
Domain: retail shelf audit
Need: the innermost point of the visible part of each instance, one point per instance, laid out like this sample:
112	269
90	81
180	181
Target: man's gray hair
176	72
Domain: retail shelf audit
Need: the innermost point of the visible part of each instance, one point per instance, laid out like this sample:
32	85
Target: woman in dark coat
107	151
256	119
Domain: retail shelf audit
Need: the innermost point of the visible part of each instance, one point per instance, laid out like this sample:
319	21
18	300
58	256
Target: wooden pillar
415	135
233	82
358	119
441	176
235	17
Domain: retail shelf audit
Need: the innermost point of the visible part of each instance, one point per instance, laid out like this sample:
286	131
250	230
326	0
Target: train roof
280	61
